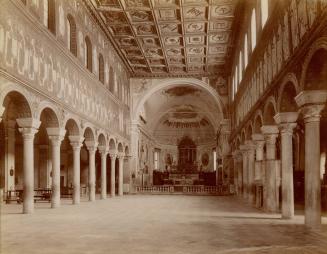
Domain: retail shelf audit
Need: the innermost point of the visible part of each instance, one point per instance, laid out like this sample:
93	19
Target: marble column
104	152
244	152
259	174
9	158
236	159
56	135
91	147
120	175
250	165
312	103
287	122
113	157
270	133
28	128
76	143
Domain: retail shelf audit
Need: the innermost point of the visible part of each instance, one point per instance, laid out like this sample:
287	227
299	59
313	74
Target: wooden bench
42	195
14	196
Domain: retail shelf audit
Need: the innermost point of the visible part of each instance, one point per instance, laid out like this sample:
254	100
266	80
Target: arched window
240	68
245	51
88	53
101	68
236	79
264	12
50	15
111	80
253	30
71	35
233	88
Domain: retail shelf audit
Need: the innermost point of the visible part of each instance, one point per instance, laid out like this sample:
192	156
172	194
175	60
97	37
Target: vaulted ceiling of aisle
170	37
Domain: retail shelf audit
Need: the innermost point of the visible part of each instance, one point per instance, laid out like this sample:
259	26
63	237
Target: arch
120	147
71	35
112	144
167	83
89	134
264	12
243	136
88	53
314	72
253	29
50	15
258	122
270	110
126	150
111	80
47	105
245	50
48	117
238	142
101	68
287	91
102	139
240	69
249	131
16	105
72	127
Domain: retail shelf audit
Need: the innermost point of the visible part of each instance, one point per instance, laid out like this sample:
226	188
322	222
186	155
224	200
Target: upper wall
38	58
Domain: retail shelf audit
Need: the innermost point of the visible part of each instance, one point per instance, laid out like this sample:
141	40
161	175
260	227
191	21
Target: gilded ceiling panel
170	37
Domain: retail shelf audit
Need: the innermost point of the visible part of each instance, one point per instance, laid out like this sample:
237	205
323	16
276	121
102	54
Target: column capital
91	145
28	127
311	113
112	155
312	103
270	133
121	156
56	135
76	141
103	150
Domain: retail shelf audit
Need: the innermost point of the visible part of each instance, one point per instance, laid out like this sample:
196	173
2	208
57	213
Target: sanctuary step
221	190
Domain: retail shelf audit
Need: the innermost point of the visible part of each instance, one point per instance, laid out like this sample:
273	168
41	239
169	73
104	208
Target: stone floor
156	224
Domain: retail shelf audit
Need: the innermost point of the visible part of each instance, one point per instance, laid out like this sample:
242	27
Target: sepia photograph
163	126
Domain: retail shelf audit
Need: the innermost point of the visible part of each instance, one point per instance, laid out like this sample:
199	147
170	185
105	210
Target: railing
187	189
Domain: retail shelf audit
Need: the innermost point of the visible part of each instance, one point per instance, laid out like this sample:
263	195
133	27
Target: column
28	128
103	151
56	135
259	174
76	143
9	158
91	147
235	160
287	122
120	175
244	151
251	189
112	174
312	103
271	185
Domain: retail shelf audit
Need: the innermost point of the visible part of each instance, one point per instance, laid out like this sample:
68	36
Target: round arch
319	44
168	83
287	91
269	111
19	97
257	122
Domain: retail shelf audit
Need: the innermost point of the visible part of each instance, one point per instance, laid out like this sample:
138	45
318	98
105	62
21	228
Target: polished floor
156	224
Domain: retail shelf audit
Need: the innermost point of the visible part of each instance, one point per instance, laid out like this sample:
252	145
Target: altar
183	179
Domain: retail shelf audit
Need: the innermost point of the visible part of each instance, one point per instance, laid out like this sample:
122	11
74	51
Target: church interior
163	126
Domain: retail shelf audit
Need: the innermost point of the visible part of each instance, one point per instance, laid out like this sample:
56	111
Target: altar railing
187	189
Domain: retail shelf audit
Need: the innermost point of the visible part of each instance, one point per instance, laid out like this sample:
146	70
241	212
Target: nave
157	224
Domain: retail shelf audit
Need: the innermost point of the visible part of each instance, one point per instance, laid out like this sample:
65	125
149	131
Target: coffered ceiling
170	37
